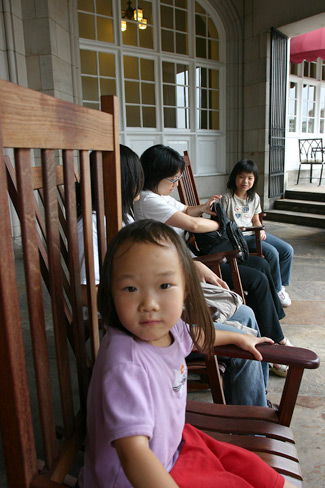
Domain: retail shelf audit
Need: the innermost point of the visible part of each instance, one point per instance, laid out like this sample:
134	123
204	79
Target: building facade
195	74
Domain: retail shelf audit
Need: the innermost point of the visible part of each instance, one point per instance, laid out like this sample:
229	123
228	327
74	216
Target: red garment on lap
205	462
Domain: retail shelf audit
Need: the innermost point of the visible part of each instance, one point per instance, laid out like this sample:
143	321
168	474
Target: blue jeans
244	380
279	255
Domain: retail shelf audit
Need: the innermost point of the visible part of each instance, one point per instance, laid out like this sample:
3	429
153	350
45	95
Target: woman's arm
206	275
198	210
141	465
193	224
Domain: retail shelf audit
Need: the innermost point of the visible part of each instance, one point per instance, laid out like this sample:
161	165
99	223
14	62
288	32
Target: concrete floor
304	324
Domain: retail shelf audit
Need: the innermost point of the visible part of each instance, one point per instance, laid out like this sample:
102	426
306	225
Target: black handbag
226	238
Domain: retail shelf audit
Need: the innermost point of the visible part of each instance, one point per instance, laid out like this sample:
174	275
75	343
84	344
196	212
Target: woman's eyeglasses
175	180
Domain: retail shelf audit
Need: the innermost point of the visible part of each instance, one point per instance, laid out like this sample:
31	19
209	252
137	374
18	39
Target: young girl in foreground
242	204
137	396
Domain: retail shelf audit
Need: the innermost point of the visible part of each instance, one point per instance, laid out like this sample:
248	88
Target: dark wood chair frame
30	120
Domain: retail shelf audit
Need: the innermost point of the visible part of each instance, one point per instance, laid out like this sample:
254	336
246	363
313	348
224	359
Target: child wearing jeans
242	205
136	435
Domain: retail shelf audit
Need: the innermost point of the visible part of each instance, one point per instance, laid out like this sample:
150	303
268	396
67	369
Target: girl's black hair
132	180
159	162
246	166
159	234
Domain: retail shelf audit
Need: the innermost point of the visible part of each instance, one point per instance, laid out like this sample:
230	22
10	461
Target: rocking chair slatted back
56	135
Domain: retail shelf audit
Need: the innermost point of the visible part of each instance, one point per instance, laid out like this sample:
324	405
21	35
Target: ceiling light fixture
133	14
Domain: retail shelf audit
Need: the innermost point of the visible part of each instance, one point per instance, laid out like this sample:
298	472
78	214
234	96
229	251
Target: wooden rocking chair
38	454
57	134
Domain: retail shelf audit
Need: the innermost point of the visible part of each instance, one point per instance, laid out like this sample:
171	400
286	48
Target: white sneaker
284	298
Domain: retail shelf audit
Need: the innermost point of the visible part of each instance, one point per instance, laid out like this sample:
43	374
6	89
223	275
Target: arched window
165	62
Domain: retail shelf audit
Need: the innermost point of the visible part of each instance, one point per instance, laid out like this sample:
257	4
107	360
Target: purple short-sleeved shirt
136	389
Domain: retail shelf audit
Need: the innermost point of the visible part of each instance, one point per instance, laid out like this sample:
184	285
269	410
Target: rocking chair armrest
217	258
253	228
274	353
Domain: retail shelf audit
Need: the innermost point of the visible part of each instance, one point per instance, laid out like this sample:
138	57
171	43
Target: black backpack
228	237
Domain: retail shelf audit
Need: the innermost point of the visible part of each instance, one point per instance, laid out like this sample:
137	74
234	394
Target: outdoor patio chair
312	153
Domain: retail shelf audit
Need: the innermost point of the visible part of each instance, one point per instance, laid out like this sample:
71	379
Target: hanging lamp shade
309	46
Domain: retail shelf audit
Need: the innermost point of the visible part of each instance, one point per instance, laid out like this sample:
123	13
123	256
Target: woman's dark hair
159	162
243	166
132	179
159	234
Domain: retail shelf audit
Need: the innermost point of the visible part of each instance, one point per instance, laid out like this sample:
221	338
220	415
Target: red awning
309	46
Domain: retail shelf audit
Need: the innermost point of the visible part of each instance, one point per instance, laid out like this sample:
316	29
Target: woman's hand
207	276
207	205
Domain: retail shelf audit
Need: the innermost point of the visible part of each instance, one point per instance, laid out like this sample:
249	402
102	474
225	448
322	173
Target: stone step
310	220
304	206
305	195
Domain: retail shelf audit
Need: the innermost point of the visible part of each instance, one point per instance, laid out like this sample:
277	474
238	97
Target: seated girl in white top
242	204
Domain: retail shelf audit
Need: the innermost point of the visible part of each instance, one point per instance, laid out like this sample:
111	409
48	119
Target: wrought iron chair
311	152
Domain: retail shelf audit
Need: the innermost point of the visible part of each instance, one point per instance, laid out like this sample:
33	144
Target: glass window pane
105	29
203	119
87	5
89	88
214	99
181	20
313	67
149	117
86	26
181	3
170	117
106	64
88	62
167	15
200	25
133	116
198	8
214	120
167	41
182	96
131	67
181	43
214	78
132	94
212	30
169	95
182	118
292	124
203	101
168	72
213	50
146	38
147	69
104	7
148	93
130	35
201	48
107	87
